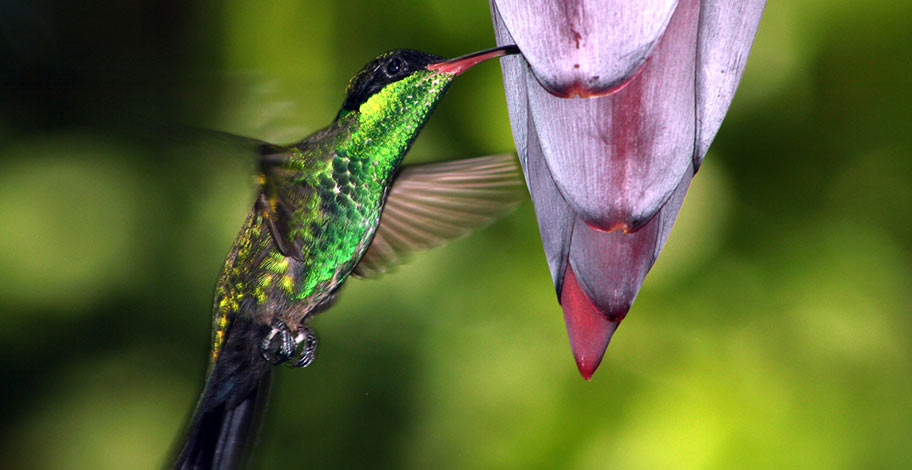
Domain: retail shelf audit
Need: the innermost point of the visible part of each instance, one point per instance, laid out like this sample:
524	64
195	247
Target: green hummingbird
335	204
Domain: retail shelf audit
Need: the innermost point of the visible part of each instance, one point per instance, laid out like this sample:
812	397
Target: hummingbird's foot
307	339
278	346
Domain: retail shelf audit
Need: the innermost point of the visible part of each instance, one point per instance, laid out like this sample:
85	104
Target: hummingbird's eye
394	66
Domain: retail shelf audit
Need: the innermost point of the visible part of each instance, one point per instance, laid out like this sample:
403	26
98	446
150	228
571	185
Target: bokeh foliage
774	330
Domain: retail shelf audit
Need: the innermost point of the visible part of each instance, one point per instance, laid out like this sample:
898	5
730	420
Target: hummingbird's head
390	99
407	72
388	68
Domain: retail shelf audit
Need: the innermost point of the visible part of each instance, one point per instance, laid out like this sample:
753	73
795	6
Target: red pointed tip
589	329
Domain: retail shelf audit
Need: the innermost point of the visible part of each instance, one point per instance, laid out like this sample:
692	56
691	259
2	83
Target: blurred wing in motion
431	204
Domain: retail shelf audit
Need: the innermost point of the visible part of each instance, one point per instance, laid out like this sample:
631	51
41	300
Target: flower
613	106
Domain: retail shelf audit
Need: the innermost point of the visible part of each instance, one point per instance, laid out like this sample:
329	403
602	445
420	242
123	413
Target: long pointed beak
461	64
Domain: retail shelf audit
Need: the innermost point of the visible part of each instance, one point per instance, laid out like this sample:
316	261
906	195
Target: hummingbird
334	205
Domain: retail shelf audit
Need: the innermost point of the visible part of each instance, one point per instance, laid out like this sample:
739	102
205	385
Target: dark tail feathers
225	421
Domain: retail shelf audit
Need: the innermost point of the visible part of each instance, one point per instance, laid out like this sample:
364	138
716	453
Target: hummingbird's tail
225	420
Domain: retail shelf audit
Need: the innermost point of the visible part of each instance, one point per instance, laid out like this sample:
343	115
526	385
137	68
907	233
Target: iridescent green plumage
317	212
325	193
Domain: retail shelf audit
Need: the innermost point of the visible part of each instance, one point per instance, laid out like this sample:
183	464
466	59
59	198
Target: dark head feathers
389	67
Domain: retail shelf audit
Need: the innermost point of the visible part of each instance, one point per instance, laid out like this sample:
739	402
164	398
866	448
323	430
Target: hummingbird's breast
336	200
330	189
334	225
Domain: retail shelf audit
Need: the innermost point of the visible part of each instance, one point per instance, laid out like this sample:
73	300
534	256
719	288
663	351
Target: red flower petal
589	329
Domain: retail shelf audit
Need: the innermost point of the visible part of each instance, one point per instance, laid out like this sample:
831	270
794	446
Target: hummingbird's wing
285	201
431	204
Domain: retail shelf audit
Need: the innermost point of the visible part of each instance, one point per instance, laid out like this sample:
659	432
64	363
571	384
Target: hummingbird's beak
461	64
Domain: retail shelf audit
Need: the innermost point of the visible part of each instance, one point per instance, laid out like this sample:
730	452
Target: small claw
266	344
289	345
281	352
308	338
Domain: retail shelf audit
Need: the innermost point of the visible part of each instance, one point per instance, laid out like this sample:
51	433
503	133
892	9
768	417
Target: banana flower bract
613	106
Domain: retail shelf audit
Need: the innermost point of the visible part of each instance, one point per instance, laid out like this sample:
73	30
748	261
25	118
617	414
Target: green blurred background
774	331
